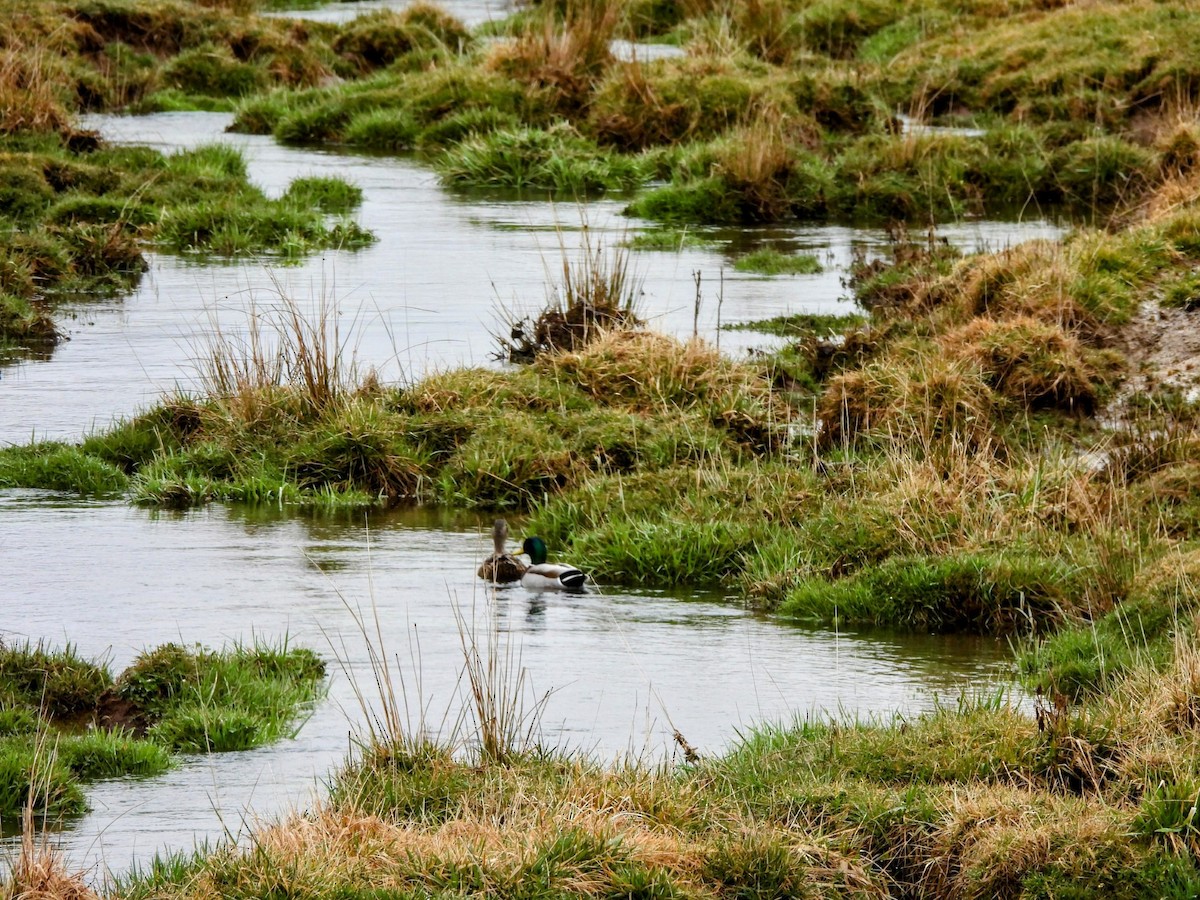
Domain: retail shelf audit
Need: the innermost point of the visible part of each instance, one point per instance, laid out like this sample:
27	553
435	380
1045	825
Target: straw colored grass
563	58
30	92
39	872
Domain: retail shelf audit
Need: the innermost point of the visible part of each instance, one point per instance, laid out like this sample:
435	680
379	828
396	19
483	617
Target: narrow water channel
622	668
428	295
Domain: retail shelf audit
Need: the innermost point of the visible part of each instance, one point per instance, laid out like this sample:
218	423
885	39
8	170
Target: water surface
447	269
623	668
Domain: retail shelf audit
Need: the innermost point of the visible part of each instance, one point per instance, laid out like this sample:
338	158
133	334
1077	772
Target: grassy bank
987	450
1078	798
79	221
777	111
781	111
65	720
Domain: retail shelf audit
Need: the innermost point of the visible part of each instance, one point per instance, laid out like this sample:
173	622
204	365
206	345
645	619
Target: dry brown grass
565	58
757	160
39	872
633	111
507	824
30	88
975	492
917	404
1033	279
994	835
652	371
1028	360
286	355
594	291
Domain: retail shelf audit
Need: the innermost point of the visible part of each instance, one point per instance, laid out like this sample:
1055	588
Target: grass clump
554	161
1145	629
329	195
201	701
378	39
989	593
767	261
58	467
66	720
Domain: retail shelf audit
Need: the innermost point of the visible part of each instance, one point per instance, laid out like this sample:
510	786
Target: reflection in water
621	668
11	355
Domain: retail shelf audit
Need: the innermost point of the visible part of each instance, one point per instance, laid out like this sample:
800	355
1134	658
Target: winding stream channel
622	668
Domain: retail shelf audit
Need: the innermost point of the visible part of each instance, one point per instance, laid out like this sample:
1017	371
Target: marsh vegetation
66	720
1002	442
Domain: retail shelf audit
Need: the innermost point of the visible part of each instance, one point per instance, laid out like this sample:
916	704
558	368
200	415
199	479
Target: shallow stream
623	668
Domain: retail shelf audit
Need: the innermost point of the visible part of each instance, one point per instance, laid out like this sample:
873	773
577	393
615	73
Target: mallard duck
501	567
543	576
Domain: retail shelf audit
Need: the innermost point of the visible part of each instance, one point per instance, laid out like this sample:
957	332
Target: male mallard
501	567
544	576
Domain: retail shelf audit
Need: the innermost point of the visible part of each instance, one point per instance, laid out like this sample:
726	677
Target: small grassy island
64	719
1002	442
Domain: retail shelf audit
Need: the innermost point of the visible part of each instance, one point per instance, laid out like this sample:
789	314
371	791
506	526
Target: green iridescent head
536	548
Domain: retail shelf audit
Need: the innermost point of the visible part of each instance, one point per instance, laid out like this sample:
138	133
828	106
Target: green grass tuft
774	262
58	467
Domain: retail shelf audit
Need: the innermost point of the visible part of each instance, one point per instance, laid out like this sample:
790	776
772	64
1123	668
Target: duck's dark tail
573	579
